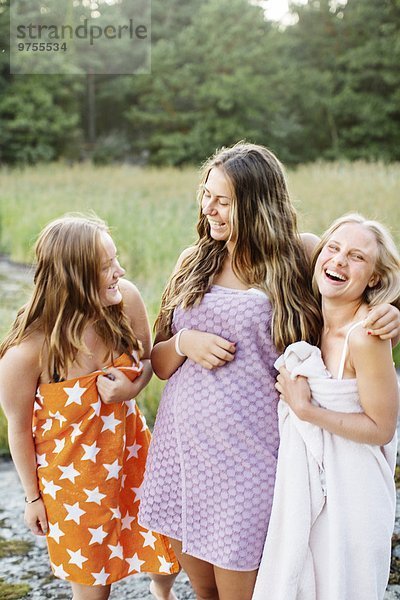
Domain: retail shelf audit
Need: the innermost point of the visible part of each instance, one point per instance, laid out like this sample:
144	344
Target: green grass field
152	214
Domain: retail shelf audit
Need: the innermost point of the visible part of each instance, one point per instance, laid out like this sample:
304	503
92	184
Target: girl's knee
87	592
204	592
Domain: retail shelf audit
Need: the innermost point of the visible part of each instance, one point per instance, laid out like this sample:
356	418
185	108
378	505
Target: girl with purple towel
236	298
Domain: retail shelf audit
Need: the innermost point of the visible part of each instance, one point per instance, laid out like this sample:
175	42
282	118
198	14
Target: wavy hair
66	296
268	252
387	265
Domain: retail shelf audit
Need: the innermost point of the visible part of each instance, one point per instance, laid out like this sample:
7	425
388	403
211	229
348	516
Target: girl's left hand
295	392
115	386
384	320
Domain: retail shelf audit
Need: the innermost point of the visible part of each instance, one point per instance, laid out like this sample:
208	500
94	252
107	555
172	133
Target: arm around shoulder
310	240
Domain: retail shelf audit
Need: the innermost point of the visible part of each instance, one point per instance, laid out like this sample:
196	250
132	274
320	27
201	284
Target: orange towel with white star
91	458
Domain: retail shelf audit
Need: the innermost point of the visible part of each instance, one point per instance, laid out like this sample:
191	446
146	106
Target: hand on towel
295	392
207	349
115	386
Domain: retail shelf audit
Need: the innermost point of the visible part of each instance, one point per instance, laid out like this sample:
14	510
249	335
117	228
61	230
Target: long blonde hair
66	296
387	265
268	251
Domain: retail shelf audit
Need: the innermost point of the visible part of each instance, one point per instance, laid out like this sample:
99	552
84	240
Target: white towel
333	509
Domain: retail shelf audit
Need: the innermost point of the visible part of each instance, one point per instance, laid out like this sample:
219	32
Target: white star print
69	472
41	460
143	418
94	495
59	571
59	416
131	405
110	423
96	408
100	578
76	558
135	564
116	513
113	469
74	512
76	431
36	406
55	532
149	539
39	395
91	451
116	551
138	493
123	479
126	521
165	566
49	487
74	394
98	534
47	425
133	451
58	446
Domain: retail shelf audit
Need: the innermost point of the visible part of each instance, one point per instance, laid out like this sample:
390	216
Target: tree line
325	87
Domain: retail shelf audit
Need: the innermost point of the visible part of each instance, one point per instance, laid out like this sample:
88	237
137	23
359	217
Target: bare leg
89	592
161	586
200	573
235	585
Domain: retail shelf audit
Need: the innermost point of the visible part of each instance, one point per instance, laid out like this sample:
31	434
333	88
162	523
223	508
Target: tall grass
153	213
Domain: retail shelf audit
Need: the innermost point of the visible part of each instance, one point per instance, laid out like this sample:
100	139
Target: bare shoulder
185	254
26	356
128	290
310	240
369	349
133	301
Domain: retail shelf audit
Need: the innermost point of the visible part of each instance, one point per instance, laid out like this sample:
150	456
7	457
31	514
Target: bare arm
207	349
377	386
121	388
310	240
19	374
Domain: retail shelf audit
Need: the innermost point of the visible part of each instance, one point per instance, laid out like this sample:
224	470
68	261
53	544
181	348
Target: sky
277	10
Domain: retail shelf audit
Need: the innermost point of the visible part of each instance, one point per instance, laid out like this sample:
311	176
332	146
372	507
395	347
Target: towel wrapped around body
329	536
91	459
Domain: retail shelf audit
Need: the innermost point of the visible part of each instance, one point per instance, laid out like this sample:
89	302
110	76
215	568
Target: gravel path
33	568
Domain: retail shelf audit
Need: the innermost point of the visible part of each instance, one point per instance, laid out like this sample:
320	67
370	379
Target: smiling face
110	272
216	204
345	266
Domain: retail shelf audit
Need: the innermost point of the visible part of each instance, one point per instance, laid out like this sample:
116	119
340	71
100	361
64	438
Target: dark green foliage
327	86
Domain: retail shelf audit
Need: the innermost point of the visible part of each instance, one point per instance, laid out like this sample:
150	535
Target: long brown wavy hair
66	297
268	251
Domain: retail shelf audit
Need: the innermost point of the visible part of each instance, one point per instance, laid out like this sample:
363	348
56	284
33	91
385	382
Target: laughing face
346	265
111	271
216	204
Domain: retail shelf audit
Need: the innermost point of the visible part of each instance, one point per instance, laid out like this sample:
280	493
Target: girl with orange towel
76	357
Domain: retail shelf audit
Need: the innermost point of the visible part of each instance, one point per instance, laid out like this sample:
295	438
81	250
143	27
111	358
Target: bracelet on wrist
177	340
34	500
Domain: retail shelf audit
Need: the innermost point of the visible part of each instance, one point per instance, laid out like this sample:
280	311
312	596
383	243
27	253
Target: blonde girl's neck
337	317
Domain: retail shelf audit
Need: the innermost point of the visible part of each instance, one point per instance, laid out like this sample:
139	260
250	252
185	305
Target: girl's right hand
206	349
35	517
